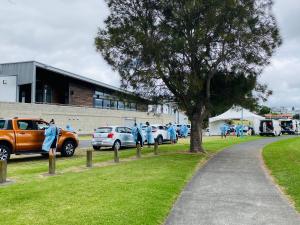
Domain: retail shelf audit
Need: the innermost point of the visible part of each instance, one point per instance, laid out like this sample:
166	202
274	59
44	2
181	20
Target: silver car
113	136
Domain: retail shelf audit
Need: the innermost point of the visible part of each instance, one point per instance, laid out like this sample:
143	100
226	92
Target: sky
61	33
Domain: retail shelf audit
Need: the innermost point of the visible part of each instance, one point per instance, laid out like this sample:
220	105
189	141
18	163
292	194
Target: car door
27	136
122	135
41	127
131	141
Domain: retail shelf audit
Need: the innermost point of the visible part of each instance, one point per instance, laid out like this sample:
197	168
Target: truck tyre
68	148
4	152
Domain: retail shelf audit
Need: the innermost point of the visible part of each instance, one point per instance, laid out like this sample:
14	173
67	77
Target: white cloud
283	75
57	32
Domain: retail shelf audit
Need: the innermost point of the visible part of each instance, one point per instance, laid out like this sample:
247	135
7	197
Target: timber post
155	147
116	155
89	158
3	171
51	164
138	150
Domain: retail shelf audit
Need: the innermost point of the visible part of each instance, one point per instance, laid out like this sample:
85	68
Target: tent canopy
235	113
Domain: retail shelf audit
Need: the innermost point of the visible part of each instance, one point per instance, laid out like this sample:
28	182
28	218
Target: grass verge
283	160
135	192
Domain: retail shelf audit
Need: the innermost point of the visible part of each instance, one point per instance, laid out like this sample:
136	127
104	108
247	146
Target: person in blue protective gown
172	133
69	128
239	130
149	135
224	129
137	134
184	131
51	138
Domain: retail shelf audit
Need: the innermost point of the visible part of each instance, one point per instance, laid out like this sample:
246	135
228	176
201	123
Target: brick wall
83	119
81	95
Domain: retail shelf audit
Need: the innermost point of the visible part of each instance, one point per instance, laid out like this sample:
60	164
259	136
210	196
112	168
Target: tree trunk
196	133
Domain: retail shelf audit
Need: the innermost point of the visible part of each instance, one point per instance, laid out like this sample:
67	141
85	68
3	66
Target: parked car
113	136
160	133
289	126
270	127
26	135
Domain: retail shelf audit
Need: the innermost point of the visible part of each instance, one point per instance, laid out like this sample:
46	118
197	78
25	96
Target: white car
160	133
113	136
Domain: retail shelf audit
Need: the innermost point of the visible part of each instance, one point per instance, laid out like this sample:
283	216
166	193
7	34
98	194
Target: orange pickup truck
24	135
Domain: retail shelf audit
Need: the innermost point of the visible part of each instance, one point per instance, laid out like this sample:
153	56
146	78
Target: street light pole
242	118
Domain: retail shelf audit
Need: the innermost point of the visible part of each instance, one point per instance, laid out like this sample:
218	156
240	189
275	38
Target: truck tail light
110	135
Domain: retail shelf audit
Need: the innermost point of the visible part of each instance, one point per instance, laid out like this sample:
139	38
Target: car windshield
287	123
2	124
103	130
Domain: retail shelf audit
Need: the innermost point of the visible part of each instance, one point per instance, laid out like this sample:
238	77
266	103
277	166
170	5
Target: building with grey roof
35	82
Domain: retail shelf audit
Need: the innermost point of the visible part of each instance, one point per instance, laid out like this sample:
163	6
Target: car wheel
4	152
96	147
68	149
159	140
117	145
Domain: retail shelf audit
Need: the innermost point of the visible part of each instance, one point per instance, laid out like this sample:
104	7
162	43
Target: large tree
174	49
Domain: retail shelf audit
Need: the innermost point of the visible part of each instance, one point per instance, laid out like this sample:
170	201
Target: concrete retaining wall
83	119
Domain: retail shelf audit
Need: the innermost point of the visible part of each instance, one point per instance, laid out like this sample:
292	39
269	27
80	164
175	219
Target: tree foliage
263	110
187	50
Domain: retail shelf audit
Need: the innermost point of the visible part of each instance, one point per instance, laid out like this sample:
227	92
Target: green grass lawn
85	137
133	192
283	159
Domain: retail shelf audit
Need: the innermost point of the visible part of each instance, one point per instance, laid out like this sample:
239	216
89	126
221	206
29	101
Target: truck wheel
4	152
159	140
68	149
96	147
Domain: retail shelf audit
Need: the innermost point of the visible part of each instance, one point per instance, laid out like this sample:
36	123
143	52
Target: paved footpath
234	189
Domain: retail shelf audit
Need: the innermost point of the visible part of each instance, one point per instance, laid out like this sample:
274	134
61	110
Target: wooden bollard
138	150
3	171
155	148
116	155
89	158
51	164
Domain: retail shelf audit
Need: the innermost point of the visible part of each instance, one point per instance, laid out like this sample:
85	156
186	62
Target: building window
127	106
106	103
113	104
99	103
121	105
133	106
99	93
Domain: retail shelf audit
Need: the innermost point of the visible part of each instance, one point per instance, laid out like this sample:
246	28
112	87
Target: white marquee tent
234	113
